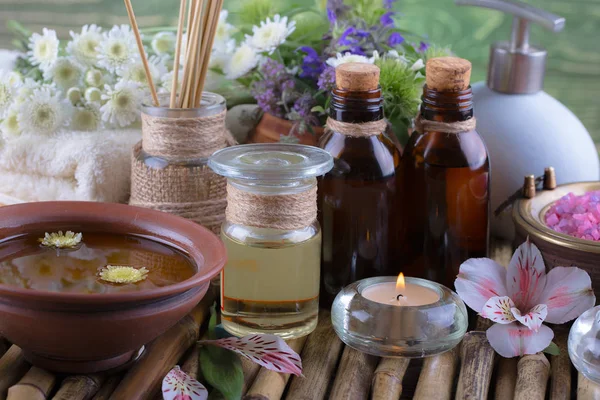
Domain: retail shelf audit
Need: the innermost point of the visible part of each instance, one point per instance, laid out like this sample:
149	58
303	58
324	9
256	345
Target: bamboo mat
331	370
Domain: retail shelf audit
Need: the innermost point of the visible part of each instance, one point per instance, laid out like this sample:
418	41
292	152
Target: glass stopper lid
275	161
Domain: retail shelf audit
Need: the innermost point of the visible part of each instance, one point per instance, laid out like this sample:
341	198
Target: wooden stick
320	356
387	379
477	364
190	363
207	52
12	367
35	385
532	377
140	45
560	382
586	389
192	51
173	99
506	379
269	385
353	378
107	389
437	376
202	38
79	387
4	346
144	379
483	324
251	370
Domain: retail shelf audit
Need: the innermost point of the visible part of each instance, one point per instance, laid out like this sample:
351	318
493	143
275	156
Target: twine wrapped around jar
169	171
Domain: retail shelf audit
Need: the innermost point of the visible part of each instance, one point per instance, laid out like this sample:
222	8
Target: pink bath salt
578	216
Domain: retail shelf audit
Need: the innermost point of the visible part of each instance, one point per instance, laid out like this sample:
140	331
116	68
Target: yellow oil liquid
271	287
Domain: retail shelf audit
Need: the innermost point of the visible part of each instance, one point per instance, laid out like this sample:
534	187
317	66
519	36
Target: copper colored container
84	333
558	249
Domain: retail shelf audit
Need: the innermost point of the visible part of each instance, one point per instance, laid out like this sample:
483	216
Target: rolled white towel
93	166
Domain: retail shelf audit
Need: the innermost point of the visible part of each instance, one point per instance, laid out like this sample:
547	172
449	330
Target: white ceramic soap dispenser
524	128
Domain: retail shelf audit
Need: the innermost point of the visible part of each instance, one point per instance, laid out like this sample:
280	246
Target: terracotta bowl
84	333
558	249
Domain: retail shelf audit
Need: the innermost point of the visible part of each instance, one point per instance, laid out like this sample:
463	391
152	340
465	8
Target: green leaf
318	109
552	349
222	369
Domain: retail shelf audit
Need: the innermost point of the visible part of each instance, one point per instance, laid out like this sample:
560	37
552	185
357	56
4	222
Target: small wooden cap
357	77
448	74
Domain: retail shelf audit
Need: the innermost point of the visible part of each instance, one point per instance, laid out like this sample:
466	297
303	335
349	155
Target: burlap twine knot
285	212
357	130
425	125
187	187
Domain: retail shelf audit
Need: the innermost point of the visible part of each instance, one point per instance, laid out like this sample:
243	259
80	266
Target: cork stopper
357	77
448	74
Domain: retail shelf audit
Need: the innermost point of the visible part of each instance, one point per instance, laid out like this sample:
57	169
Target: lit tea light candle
400	293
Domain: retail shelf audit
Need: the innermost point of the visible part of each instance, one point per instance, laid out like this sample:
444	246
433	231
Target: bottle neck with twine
288	211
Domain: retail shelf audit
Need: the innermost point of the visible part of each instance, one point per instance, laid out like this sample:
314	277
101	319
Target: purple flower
422	47
388	4
387	20
312	66
395	39
331	15
327	79
303	108
288	86
346	39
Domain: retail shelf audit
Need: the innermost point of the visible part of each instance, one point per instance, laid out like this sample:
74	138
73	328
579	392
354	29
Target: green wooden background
573	74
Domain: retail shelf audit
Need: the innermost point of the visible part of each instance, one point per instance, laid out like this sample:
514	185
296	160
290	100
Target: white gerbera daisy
221	55
271	34
348	58
84	46
117	49
123	103
8	91
242	61
43	49
224	30
135	72
43	112
10	125
164	43
65	72
86	118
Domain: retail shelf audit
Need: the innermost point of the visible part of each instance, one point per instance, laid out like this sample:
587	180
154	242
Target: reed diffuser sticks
202	21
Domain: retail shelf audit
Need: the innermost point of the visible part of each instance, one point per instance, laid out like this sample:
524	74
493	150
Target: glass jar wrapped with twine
169	166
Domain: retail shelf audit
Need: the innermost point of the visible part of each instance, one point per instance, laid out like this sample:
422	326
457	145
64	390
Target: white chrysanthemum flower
117	49
164	43
166	82
14	79
94	78
84	45
221	55
418	65
224	30
123	103
43	49
86	118
135	72
65	73
348	58
8	90
93	95
74	95
10	125
242	61
43	112
271	34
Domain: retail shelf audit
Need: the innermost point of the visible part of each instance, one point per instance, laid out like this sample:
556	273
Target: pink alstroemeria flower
519	298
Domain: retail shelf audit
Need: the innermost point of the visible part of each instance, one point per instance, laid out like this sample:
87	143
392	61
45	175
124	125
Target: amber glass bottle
444	179
357	198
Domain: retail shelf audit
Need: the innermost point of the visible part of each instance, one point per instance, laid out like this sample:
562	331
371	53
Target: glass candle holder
399	329
584	344
270	283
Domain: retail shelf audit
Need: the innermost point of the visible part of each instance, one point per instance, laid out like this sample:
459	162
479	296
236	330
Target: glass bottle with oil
357	198
270	283
444	178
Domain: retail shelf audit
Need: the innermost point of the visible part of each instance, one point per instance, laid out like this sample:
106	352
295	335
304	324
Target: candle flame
400	282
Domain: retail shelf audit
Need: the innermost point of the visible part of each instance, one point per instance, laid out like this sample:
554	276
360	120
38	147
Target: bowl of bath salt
564	223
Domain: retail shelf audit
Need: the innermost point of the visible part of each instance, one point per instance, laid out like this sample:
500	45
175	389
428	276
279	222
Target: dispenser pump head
517	67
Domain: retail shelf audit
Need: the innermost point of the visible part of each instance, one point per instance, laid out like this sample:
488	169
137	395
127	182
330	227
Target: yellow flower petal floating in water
123	274
60	240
